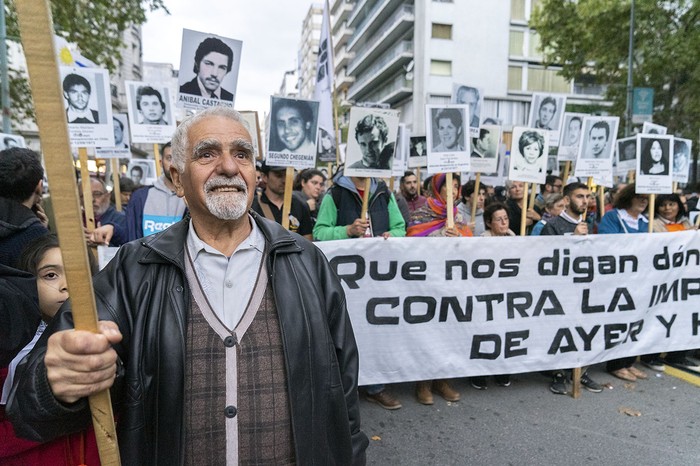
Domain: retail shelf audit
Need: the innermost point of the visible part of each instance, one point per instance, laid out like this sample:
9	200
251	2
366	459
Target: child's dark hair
35	251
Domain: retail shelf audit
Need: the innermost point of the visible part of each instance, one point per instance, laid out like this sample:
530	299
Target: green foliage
96	26
590	37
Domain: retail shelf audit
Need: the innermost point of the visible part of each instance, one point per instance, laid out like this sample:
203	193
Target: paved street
525	424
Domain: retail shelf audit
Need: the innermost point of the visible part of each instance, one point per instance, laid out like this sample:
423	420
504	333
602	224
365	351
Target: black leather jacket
144	290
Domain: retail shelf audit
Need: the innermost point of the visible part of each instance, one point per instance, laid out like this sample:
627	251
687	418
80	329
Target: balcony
393	92
368	16
340	15
343	81
393	29
341	36
342	58
386	65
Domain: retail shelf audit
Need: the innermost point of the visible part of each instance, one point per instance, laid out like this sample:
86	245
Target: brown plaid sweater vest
236	399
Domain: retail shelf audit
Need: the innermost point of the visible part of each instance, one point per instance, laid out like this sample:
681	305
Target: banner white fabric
431	308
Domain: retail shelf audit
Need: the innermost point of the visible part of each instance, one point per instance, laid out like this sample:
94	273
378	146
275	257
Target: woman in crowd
670	217
431	220
554	204
469	196
308	187
496	221
626	217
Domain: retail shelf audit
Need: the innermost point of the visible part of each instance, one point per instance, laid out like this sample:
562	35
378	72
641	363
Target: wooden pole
36	28
87	189
391	184
116	189
450	201
674	187
287	206
601	201
329	181
523	211
567	169
156	157
365	198
475	201
576	382
652	201
420	185
630	176
533	195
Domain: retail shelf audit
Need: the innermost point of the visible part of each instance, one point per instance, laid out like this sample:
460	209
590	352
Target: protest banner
434	308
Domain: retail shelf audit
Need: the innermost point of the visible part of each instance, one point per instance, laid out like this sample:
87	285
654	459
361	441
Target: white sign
400	164
292	135
150	106
372	134
88	106
208	70
472	97
681	159
12	140
570	136
547	112
626	154
654	174
596	147
448	141
120	123
528	155
484	155
434	308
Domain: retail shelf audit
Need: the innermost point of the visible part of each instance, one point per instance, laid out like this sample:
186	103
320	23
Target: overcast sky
270	31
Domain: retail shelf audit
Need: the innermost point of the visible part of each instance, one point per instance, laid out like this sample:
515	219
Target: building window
515	78
547	80
534	46
517	39
517	10
440	68
442	31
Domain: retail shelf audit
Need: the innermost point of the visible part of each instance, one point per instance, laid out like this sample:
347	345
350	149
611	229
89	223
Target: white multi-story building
308	51
408	53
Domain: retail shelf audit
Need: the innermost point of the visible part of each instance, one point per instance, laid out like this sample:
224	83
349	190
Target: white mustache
222	181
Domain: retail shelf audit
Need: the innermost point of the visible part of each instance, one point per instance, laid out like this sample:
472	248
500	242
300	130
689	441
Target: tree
96	26
590	38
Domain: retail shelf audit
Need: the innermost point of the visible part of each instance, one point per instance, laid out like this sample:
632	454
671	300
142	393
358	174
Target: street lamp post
630	89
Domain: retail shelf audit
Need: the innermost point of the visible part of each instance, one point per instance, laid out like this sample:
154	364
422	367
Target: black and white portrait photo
547	113
150	107
473	98
652	128
251	123
448	129
88	106
400	163
528	155
484	155
292	135
654	170
626	154
596	148
570	136
12	140
681	159
142	171
121	149
208	70
418	152
372	137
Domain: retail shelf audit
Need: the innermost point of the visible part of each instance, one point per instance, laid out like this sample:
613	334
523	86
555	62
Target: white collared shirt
74	114
228	282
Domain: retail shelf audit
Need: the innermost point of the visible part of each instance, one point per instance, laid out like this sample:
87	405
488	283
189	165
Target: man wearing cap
270	201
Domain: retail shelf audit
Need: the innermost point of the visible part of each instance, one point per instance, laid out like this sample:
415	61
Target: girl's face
51	283
312	188
656	151
669	210
531	152
447	132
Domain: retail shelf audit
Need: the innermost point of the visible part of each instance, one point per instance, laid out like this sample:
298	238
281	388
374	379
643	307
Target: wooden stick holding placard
420	185
630	176
365	198
533	195
36	28
652	201
156	157
523	211
567	169
87	189
601	201
287	206
449	201
116	189
475	201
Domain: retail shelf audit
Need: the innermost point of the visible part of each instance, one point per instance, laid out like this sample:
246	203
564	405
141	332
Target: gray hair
180	139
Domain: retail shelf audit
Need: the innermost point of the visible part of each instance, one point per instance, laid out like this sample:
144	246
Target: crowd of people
223	233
